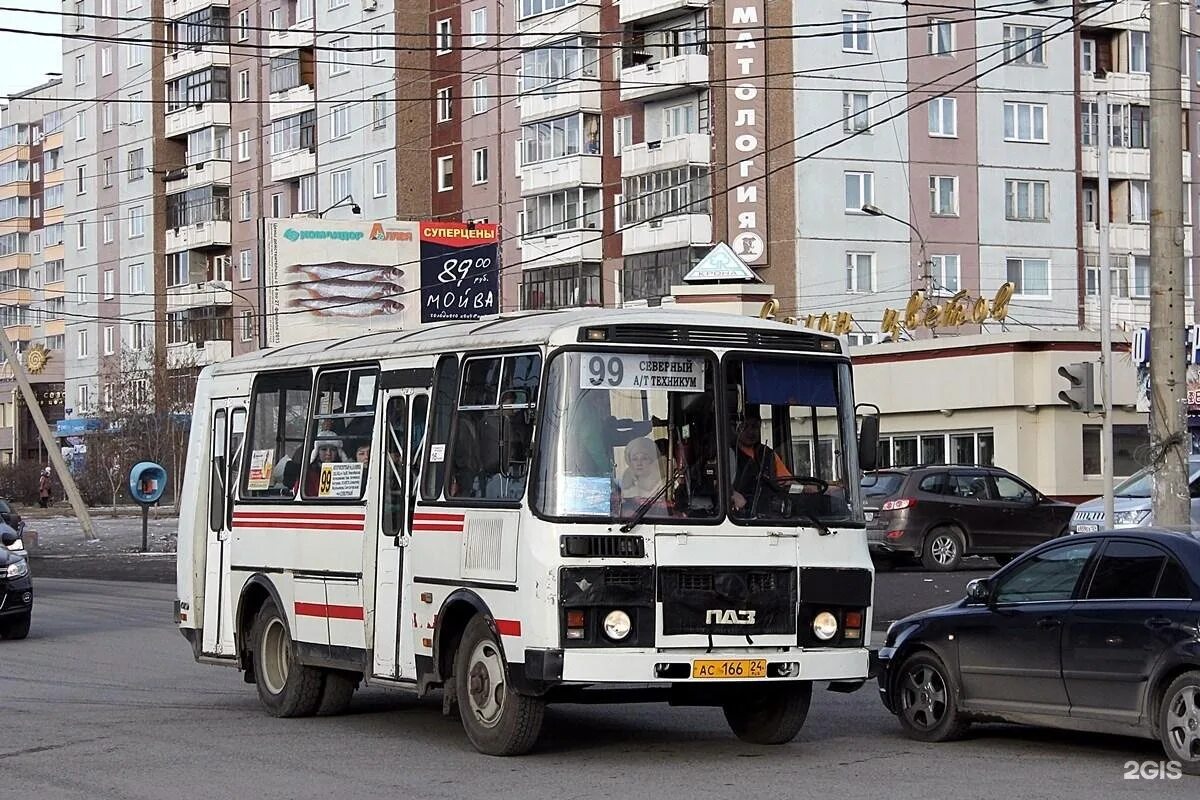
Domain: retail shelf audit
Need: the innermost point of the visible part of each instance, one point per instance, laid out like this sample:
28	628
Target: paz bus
575	506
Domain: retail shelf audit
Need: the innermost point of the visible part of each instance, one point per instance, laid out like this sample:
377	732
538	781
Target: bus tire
498	720
769	714
285	686
337	692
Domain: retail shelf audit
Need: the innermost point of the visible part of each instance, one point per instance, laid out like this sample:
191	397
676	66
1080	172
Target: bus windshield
628	433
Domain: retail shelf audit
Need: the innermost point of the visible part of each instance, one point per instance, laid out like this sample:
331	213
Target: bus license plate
730	668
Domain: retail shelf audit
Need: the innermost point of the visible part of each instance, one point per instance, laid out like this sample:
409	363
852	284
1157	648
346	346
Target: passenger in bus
644	476
363	455
597	433
326	449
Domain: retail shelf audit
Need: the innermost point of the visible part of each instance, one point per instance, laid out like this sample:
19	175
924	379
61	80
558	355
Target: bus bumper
842	665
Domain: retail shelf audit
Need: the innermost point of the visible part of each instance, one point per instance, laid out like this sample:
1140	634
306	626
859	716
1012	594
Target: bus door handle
222	536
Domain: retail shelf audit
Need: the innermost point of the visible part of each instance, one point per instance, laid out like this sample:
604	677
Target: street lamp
354	207
876	211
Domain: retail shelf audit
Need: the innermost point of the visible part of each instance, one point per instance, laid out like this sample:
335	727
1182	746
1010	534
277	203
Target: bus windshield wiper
821	527
647	504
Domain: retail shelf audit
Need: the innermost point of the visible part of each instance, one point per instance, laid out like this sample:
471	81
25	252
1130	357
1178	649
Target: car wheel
927	700
285	686
769	714
498	720
15	629
943	550
1179	722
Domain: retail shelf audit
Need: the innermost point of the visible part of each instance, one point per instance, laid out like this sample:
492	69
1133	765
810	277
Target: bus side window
341	431
237	434
278	421
445	386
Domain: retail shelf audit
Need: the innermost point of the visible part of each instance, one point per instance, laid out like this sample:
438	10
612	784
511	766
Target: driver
757	469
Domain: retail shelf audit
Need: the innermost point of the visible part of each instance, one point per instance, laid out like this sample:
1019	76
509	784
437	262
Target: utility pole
1106	438
1168	366
39	419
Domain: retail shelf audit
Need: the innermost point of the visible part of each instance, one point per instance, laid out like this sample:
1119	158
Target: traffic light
1080	395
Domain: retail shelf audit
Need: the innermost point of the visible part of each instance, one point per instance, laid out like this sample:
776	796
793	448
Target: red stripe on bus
508	627
433	526
439	517
296	515
329	612
300	526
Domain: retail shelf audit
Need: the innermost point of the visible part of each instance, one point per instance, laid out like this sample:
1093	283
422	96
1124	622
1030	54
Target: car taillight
894	534
896	505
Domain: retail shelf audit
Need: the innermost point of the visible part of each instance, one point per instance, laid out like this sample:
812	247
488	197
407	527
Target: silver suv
1131	502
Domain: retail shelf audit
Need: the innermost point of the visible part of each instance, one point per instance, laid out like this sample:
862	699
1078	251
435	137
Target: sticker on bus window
585	495
340	481
366	392
261	465
437	453
669	373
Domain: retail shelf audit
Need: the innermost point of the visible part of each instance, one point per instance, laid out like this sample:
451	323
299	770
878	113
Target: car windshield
1139	484
791	427
881	484
5	508
628	433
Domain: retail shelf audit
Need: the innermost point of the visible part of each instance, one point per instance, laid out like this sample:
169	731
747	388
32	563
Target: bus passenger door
405	413
228	430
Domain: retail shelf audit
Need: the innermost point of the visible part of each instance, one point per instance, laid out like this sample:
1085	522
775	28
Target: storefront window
1130	443
962	447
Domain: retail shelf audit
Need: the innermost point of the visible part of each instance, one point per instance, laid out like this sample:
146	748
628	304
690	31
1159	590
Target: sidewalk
57	547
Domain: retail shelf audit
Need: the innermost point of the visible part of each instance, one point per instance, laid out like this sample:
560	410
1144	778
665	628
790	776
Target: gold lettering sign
959	309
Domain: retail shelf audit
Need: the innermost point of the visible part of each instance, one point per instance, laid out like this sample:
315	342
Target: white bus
576	506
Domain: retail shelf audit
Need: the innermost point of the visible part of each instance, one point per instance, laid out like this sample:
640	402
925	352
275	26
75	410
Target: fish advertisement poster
460	271
327	279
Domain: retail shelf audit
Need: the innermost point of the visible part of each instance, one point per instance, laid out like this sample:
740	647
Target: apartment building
31	263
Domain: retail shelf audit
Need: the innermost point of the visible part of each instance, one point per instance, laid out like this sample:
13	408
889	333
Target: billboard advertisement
460	271
1140	353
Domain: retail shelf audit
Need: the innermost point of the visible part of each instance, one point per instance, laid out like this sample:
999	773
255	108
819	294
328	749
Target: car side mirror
979	591
9	538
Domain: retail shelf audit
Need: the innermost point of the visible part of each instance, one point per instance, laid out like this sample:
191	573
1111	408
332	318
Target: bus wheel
769	714
337	692
285	686
498	721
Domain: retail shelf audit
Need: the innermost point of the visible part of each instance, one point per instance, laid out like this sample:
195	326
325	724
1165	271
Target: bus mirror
868	443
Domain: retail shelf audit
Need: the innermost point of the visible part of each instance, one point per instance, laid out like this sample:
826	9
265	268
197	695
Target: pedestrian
44	488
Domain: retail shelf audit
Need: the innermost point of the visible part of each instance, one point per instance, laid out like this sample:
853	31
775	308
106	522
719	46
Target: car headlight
17	545
617	625
1130	518
17	569
825	626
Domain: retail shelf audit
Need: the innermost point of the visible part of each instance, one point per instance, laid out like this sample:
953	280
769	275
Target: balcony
675	75
1123	85
15	261
582	19
1124	162
568	247
188	354
197	117
183	62
562	173
1125	238
197	175
678	151
294	165
685	230
54	327
199	295
174	9
560	99
54	290
299	35
1127	313
16	189
200	236
292	101
649	10
16	297
19	333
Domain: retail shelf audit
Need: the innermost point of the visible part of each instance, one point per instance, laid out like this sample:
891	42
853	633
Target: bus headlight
617	625
825	626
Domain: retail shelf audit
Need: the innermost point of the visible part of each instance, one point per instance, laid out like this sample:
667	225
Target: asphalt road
104	701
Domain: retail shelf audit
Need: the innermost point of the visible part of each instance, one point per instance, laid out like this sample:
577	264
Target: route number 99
605	371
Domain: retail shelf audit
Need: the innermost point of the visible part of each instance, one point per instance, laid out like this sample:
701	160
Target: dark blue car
16	588
1096	632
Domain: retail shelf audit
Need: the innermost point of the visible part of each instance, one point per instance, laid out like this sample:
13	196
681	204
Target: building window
137	222
81	234
276	205
379	178
1023	45
243	85
943	196
241	28
622	134
81	289
243	146
1128	442
80	71
1026	201
109	340
856	32
106	60
946	274
133	54
379	44
245	269
445	173
340	121
565	286
1139	50
106	229
1141	276
577	134
860	191
339	56
549	66
137	279
1139	201
943	117
860	273
306	194
963	448
339	184
106	117
941	37
80	126
81	346
245	206
479	172
379	111
668	192
651	275
479	92
1087	57
136	165
679	120
856	112
135	112
445	105
566	210
479	26
1118	274
1025	122
247	325
178	269
1030	277
443	36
